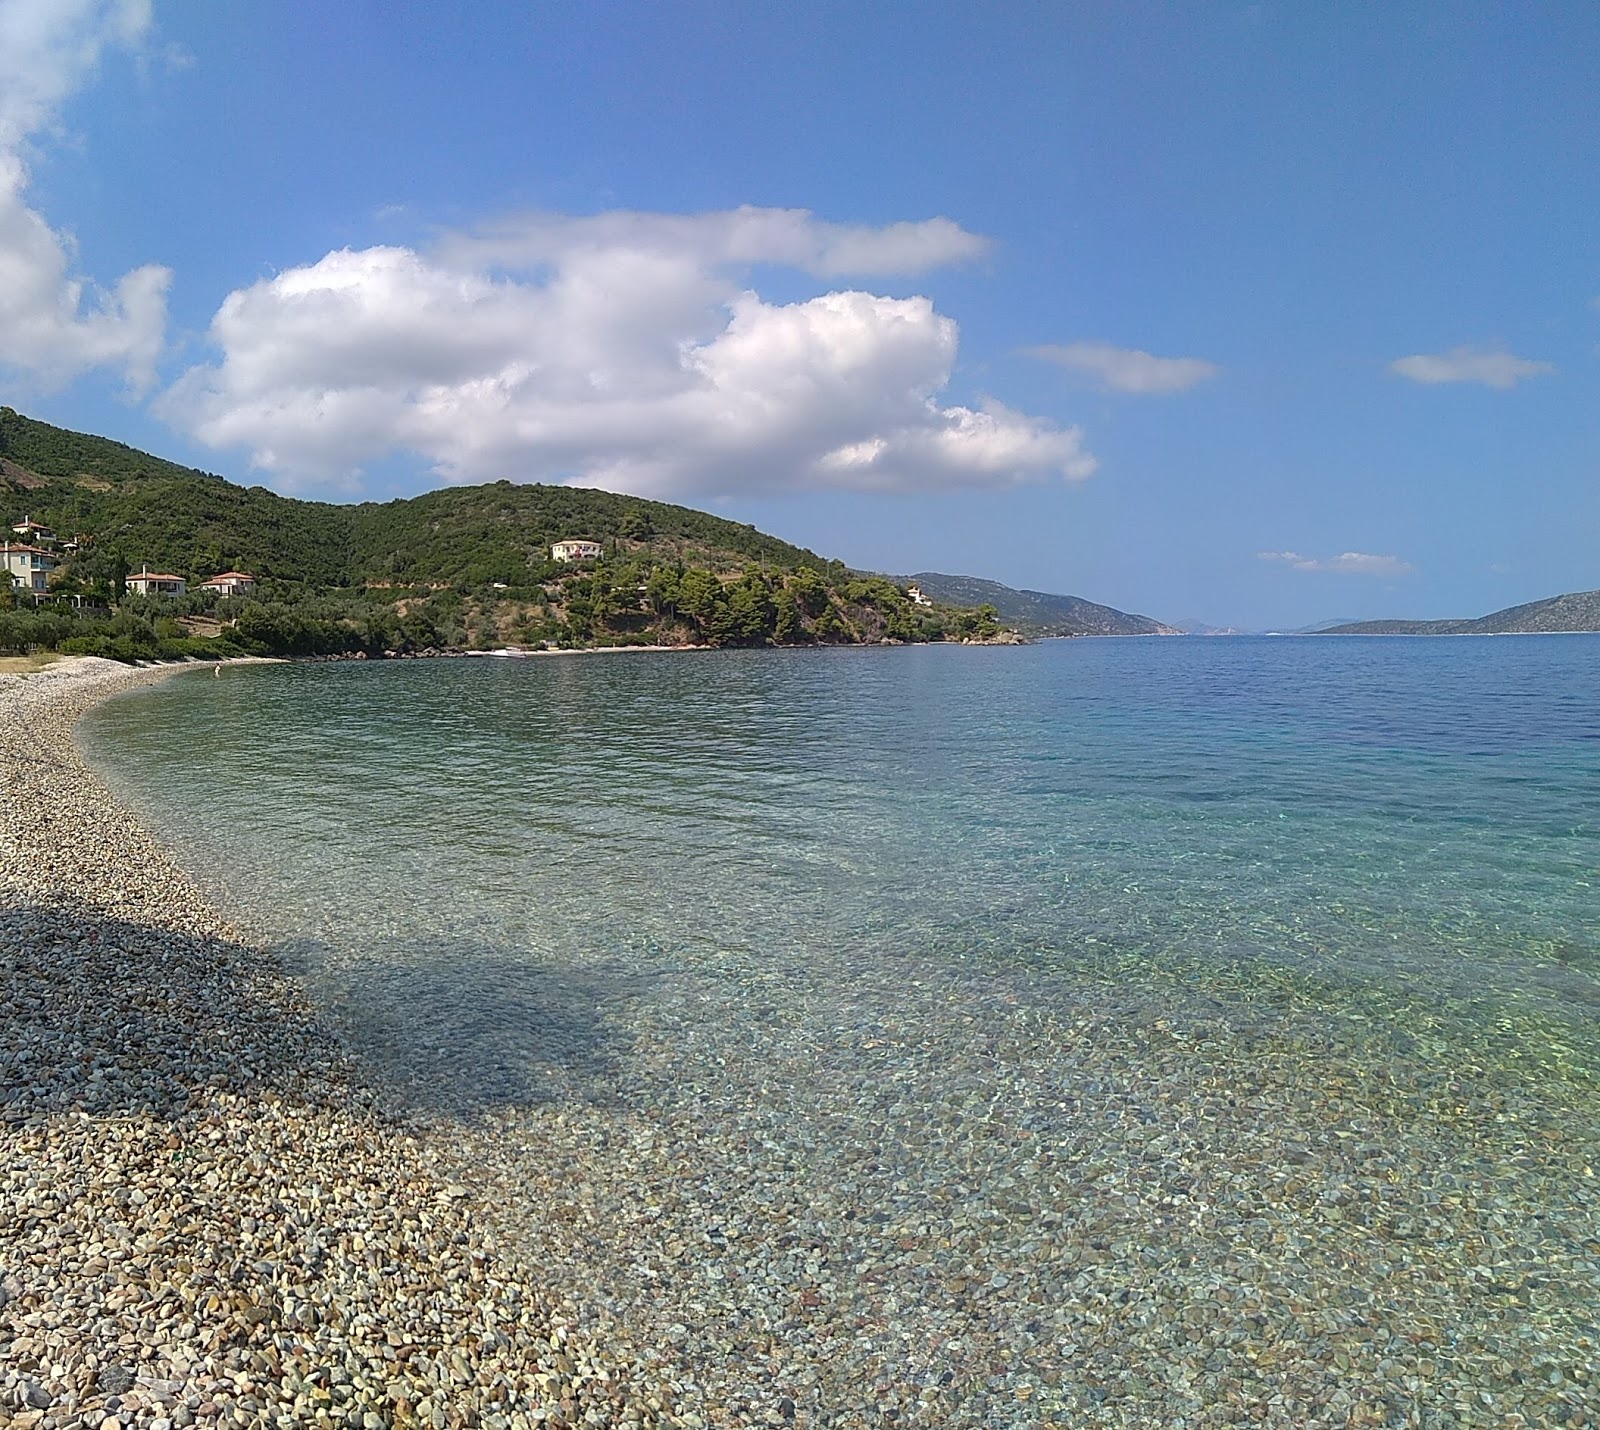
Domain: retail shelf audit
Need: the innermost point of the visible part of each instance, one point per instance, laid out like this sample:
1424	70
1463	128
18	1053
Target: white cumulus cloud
49	47
1127	369
793	237
624	351
1489	367
1346	563
53	323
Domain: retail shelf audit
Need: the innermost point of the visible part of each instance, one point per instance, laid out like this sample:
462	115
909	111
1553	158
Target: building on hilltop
230	583
27	567
31	531
576	551
156	583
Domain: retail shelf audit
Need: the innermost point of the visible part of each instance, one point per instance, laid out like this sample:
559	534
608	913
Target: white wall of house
233	584
575	550
28	567
149	584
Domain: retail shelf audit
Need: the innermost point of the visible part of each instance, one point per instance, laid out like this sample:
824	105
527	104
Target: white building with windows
230	583
30	530
157	583
26	567
576	551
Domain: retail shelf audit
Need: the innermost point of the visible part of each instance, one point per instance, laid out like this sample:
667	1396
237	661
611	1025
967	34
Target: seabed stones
203	1218
839	1197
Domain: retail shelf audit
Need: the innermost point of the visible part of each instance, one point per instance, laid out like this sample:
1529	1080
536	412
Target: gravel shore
818	1194
203	1219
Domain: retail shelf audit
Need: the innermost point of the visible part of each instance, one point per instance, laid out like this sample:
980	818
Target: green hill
1574	612
196	523
500	532
1038	613
453	567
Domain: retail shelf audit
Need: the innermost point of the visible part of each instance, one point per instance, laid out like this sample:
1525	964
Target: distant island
107	550
1037	613
1577	611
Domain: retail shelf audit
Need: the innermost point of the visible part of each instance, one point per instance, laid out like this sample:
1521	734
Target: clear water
1095	969
1420	813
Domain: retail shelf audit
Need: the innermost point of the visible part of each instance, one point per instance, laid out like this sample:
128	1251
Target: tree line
630	601
451	569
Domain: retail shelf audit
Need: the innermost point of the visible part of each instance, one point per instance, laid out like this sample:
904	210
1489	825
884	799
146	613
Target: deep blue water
1419	819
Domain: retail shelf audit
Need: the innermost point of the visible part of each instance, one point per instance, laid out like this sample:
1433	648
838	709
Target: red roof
152	576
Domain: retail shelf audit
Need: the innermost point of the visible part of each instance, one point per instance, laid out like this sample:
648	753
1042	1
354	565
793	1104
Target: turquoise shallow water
1417	814
1037	995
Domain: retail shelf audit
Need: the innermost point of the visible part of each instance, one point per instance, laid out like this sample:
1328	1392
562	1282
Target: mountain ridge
1575	612
478	567
1037	613
489	546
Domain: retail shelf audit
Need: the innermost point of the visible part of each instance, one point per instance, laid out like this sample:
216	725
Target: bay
1400	808
922	933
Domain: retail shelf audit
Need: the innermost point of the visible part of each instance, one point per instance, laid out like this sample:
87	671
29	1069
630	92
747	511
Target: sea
512	882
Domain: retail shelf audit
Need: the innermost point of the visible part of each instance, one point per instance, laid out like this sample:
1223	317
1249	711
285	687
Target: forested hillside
57	453
193	522
1038	613
502	531
455	567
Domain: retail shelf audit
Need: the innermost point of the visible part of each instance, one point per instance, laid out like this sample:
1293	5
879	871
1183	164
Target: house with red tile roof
157	583
30	530
230	583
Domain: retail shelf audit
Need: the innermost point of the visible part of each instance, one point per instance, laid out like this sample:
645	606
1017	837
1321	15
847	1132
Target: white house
27	567
30	530
230	583
157	583
576	551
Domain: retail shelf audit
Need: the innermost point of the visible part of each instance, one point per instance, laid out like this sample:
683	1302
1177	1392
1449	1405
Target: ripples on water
948	1030
447	844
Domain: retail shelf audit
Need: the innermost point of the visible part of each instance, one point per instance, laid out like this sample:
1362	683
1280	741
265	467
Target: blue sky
1256	314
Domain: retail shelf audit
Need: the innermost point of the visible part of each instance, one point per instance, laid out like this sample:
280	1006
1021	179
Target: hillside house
157	583
576	551
26	567
33	533
230	583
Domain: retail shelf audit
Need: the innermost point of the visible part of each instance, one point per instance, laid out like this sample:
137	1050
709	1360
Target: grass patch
27	664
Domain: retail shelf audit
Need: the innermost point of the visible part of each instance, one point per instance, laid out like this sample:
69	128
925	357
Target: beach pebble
828	1196
209	1218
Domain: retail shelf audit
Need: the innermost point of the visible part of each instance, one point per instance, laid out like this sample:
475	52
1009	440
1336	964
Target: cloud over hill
628	351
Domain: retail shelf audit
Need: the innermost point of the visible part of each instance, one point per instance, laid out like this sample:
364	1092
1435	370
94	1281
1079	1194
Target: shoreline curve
212	1221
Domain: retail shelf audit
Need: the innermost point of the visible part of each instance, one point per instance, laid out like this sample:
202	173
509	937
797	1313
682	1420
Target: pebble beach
203	1218
837	1196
